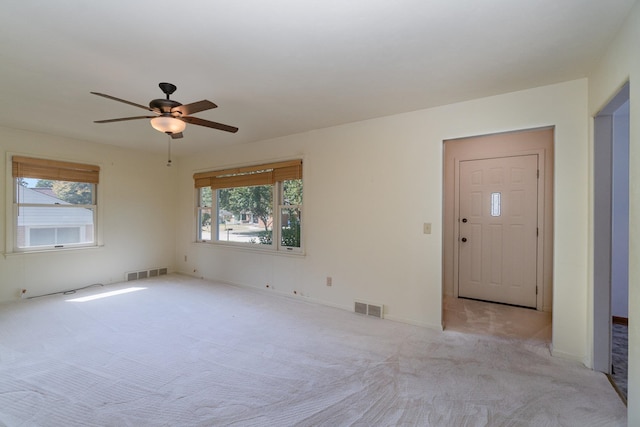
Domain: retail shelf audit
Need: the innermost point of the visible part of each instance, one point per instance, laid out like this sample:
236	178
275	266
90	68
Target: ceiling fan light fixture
172	116
168	125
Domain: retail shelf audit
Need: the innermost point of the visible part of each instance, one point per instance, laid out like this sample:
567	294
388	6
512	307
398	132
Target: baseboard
438	327
620	320
277	292
300	297
569	356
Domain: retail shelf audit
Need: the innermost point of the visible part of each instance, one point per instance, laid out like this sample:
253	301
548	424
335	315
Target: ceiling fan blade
209	124
194	107
123	119
122	100
176	135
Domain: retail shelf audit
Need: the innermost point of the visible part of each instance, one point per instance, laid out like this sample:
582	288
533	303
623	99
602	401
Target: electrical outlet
329	281
426	228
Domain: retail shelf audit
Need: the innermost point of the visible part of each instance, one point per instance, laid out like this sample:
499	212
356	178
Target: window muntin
258	206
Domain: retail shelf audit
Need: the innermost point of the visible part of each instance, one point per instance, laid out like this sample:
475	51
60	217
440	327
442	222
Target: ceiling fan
171	116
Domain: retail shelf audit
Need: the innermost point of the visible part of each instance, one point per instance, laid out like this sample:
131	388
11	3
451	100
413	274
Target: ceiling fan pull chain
169	150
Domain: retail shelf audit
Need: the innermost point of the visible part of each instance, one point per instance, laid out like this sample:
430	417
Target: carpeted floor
620	356
181	351
485	318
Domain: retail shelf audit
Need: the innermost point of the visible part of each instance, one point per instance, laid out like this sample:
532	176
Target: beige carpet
478	317
185	352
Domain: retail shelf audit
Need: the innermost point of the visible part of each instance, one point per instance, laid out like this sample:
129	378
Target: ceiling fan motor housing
164	106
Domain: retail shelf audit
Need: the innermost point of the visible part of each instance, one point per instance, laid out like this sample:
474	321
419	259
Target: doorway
498	210
611	236
533	266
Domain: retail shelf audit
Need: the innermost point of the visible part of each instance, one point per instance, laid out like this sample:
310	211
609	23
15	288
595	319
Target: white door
498	229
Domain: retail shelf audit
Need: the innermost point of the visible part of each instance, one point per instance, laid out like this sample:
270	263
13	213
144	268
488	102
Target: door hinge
537	232
538	174
536	290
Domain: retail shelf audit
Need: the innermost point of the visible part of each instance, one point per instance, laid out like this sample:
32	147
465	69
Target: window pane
67	235
50	192
54	225
292	192
42	236
495	204
245	214
204	222
205	197
290	227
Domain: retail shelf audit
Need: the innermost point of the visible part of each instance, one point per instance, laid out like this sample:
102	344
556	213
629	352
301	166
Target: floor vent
374	310
143	274
361	308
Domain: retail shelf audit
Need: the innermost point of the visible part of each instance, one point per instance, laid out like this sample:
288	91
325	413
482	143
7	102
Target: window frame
278	204
20	167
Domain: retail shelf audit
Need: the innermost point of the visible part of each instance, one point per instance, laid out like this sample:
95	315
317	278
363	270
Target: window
495	204
54	204
253	206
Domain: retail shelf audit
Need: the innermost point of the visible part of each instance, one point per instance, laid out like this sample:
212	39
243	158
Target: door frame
525	141
603	143
540	220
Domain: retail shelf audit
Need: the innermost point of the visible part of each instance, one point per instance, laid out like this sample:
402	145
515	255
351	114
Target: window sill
49	251
250	248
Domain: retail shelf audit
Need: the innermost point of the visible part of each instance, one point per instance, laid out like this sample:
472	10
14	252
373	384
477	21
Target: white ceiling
280	67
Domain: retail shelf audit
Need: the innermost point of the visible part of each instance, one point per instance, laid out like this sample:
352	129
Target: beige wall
622	63
369	187
136	216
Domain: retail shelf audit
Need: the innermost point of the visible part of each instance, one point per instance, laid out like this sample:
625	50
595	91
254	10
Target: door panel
495	260
498	229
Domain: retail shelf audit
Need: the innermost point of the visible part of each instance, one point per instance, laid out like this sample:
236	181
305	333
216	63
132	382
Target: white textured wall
137	217
622	63
369	187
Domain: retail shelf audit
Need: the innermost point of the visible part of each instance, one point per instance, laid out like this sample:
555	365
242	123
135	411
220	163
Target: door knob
464	239
464	219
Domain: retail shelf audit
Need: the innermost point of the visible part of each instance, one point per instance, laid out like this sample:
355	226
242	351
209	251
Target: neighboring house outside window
54	204
259	206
